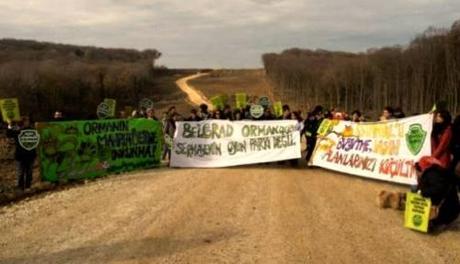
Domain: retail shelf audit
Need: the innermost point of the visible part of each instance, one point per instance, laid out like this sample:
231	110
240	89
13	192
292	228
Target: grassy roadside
229	82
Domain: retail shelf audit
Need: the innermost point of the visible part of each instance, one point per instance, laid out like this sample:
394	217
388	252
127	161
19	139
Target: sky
224	34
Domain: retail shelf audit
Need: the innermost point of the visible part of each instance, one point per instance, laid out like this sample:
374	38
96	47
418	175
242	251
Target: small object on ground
383	199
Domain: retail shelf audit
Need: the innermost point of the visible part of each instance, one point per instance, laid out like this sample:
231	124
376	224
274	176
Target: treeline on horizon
46	77
413	77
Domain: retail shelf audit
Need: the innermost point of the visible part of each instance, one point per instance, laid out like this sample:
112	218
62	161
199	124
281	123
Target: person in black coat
438	184
310	130
24	158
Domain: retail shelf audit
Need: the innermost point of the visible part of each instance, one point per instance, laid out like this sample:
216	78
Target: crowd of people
438	175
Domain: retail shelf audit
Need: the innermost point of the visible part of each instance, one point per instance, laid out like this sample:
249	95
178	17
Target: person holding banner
311	128
356	116
441	137
169	131
238	115
268	114
387	113
193	116
217	115
227	114
151	114
24	158
286	112
204	114
436	182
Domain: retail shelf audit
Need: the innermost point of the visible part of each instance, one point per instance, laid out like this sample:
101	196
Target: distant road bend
194	96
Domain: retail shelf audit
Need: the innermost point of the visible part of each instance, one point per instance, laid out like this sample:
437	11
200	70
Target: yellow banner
417	214
112	105
278	109
10	109
241	100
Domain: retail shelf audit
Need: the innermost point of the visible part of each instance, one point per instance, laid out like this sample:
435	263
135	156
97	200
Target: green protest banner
89	149
278	109
417	213
10	109
112	106
218	102
241	100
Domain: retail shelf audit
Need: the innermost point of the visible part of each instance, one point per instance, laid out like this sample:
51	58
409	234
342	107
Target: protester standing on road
311	128
151	114
24	158
169	131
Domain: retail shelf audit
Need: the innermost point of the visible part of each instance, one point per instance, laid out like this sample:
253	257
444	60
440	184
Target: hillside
74	79
31	50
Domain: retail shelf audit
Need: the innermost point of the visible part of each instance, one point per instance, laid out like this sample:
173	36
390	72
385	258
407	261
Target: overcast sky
224	34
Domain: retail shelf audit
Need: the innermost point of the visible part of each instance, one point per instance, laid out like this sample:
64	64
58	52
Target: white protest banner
384	150
222	143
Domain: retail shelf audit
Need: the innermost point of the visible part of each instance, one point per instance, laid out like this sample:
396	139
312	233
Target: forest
413	76
46	77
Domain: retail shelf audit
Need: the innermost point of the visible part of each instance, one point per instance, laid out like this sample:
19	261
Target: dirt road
194	96
235	215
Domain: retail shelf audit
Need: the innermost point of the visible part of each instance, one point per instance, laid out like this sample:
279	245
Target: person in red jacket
441	137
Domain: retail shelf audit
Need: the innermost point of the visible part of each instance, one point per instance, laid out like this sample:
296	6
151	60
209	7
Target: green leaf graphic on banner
415	138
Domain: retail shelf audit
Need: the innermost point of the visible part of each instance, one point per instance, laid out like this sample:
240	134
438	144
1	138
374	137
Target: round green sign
417	220
264	101
103	110
256	111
